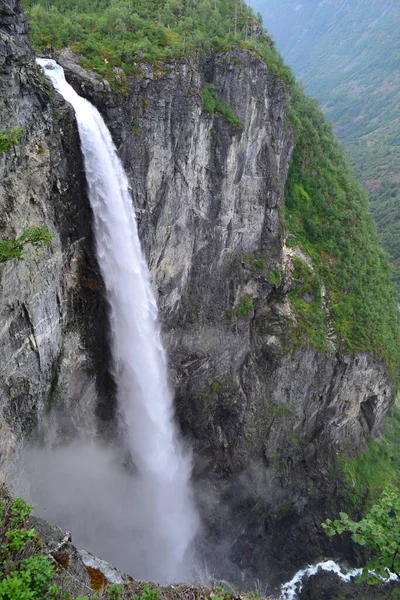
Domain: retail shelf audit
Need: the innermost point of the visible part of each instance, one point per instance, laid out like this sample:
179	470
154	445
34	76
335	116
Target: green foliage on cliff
25	574
306	300
214	105
117	33
373	484
15	247
9	137
378	530
327	215
367	476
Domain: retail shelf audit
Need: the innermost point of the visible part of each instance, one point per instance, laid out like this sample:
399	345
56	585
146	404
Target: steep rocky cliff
47	334
266	421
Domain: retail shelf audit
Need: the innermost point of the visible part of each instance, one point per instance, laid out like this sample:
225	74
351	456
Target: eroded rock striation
266	421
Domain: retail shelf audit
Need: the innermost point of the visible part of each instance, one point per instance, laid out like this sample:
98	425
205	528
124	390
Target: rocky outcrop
266	421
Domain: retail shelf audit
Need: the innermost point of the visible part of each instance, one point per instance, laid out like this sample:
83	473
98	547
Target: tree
378	530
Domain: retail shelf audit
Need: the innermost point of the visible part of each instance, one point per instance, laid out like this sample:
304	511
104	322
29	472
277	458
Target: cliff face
265	421
47	299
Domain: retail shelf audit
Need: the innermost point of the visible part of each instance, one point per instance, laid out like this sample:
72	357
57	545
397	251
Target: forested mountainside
119	34
277	308
347	55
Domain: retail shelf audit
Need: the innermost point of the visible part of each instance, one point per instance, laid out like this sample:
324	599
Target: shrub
24	573
9	137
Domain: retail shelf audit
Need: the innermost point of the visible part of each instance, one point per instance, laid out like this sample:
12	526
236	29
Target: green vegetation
255	260
214	105
378	530
25	574
275	277
348	57
327	215
149	593
117	33
15	247
368	475
9	137
306	301
243	309
373	481
281	411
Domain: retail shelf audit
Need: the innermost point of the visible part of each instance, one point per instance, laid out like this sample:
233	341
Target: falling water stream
168	520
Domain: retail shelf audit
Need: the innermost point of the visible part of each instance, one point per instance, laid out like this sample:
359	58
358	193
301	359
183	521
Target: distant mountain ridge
347	53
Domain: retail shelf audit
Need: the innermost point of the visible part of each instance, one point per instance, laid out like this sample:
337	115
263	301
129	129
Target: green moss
255	260
281	411
213	105
216	387
243	309
275	276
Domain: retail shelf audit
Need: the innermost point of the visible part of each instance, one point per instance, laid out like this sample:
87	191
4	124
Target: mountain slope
347	54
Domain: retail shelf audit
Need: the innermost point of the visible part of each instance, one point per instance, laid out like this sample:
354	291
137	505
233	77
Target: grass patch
275	277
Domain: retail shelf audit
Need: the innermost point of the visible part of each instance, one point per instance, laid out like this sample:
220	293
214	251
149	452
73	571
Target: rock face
266	422
48	334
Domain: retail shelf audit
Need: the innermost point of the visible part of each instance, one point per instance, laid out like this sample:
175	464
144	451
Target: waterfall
163	498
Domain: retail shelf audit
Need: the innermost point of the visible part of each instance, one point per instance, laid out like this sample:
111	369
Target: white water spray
168	520
290	590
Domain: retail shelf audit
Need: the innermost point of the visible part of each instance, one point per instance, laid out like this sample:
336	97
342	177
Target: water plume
159	492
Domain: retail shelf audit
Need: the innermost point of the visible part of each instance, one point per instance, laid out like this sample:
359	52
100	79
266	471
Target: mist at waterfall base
143	519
